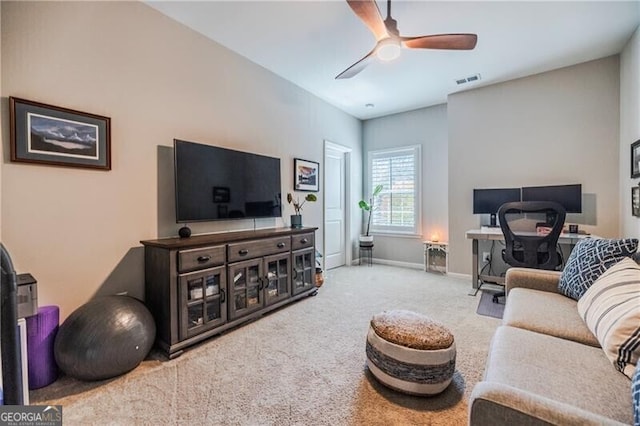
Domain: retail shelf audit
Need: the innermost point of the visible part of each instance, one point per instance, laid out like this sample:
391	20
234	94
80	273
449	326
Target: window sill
396	234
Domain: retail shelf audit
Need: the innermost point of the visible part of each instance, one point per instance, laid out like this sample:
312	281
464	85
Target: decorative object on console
46	134
589	259
306	175
635	159
296	219
611	310
635	201
369	207
184	232
106	337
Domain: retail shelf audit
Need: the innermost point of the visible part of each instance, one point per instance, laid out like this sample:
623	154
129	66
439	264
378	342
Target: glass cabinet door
245	288
277	278
303	270
202	301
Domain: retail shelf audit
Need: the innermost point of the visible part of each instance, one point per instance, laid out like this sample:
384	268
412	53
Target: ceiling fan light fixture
388	49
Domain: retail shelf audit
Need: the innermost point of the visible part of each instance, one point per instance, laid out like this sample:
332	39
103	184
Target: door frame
348	243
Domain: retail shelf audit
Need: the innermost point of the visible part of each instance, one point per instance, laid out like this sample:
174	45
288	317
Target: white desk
496	234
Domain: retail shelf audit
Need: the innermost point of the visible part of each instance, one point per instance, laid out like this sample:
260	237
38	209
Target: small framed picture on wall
306	175
635	201
635	159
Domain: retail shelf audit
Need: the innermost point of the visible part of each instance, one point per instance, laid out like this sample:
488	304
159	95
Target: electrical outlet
486	256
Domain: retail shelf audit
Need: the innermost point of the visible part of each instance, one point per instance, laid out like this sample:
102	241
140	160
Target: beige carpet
301	365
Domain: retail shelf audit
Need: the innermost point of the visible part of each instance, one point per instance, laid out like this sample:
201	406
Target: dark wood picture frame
635	159
306	175
635	201
56	136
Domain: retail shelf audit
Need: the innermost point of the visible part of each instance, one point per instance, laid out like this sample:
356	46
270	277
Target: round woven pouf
410	352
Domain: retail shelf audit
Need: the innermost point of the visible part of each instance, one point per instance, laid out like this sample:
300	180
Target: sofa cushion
535	366
635	396
589	259
611	309
547	313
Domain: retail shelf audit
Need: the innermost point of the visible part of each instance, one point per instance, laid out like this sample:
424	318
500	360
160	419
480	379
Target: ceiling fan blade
357	67
368	11
441	41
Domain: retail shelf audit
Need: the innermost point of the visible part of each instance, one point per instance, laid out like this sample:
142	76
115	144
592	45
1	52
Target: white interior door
335	207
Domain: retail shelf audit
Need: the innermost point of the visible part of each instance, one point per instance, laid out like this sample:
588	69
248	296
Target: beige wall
78	231
629	129
426	127
552	128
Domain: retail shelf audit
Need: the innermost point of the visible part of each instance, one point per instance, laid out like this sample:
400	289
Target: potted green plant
296	219
369	207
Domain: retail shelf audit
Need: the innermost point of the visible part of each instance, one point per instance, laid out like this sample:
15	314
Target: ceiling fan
388	39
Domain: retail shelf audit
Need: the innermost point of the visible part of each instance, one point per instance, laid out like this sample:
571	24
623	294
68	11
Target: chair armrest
536	279
497	404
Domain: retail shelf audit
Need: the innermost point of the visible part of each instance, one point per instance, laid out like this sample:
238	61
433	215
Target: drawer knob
243	252
281	245
203	259
304	240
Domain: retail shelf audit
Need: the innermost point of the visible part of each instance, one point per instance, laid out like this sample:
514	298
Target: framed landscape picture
46	134
635	201
306	175
635	159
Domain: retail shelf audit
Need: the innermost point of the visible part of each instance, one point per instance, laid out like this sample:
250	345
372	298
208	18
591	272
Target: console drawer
258	248
302	241
200	258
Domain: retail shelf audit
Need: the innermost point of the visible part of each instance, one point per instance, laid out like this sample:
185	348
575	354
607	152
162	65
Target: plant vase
366	239
296	221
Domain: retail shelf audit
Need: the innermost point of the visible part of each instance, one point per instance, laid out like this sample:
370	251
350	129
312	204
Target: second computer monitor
568	196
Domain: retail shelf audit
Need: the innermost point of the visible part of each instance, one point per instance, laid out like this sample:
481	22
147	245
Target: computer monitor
568	196
488	201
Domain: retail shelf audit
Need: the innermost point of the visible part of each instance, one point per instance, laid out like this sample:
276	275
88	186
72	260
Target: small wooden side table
437	246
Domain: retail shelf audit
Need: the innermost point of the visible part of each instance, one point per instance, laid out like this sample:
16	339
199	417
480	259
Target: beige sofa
544	365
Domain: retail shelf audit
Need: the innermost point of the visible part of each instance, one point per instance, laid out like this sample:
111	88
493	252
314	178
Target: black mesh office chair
532	250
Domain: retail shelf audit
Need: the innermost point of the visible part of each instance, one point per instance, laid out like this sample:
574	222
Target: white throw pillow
611	310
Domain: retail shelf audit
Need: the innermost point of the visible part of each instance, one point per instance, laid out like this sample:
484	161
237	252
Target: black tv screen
569	196
215	183
488	201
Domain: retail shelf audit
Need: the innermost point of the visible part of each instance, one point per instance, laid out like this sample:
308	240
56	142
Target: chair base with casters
531	250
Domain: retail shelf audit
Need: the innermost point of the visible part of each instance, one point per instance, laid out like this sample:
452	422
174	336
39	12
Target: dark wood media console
200	286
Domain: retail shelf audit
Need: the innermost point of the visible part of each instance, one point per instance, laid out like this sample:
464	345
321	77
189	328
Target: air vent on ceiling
469	79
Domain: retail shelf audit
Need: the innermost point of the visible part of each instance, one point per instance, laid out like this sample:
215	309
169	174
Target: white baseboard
391	263
398	263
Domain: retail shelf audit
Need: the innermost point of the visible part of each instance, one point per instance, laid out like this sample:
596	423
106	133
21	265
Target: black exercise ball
106	337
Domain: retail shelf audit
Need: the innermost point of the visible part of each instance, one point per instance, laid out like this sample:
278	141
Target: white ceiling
310	42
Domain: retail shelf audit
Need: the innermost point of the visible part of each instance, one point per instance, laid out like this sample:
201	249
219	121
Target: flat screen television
569	196
213	183
488	201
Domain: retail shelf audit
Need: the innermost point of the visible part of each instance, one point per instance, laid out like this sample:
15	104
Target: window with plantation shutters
397	208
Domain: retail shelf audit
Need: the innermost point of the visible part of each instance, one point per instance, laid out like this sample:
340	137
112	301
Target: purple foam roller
41	335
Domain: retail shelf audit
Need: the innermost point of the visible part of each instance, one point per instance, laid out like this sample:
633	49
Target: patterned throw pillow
635	396
611	310
588	260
